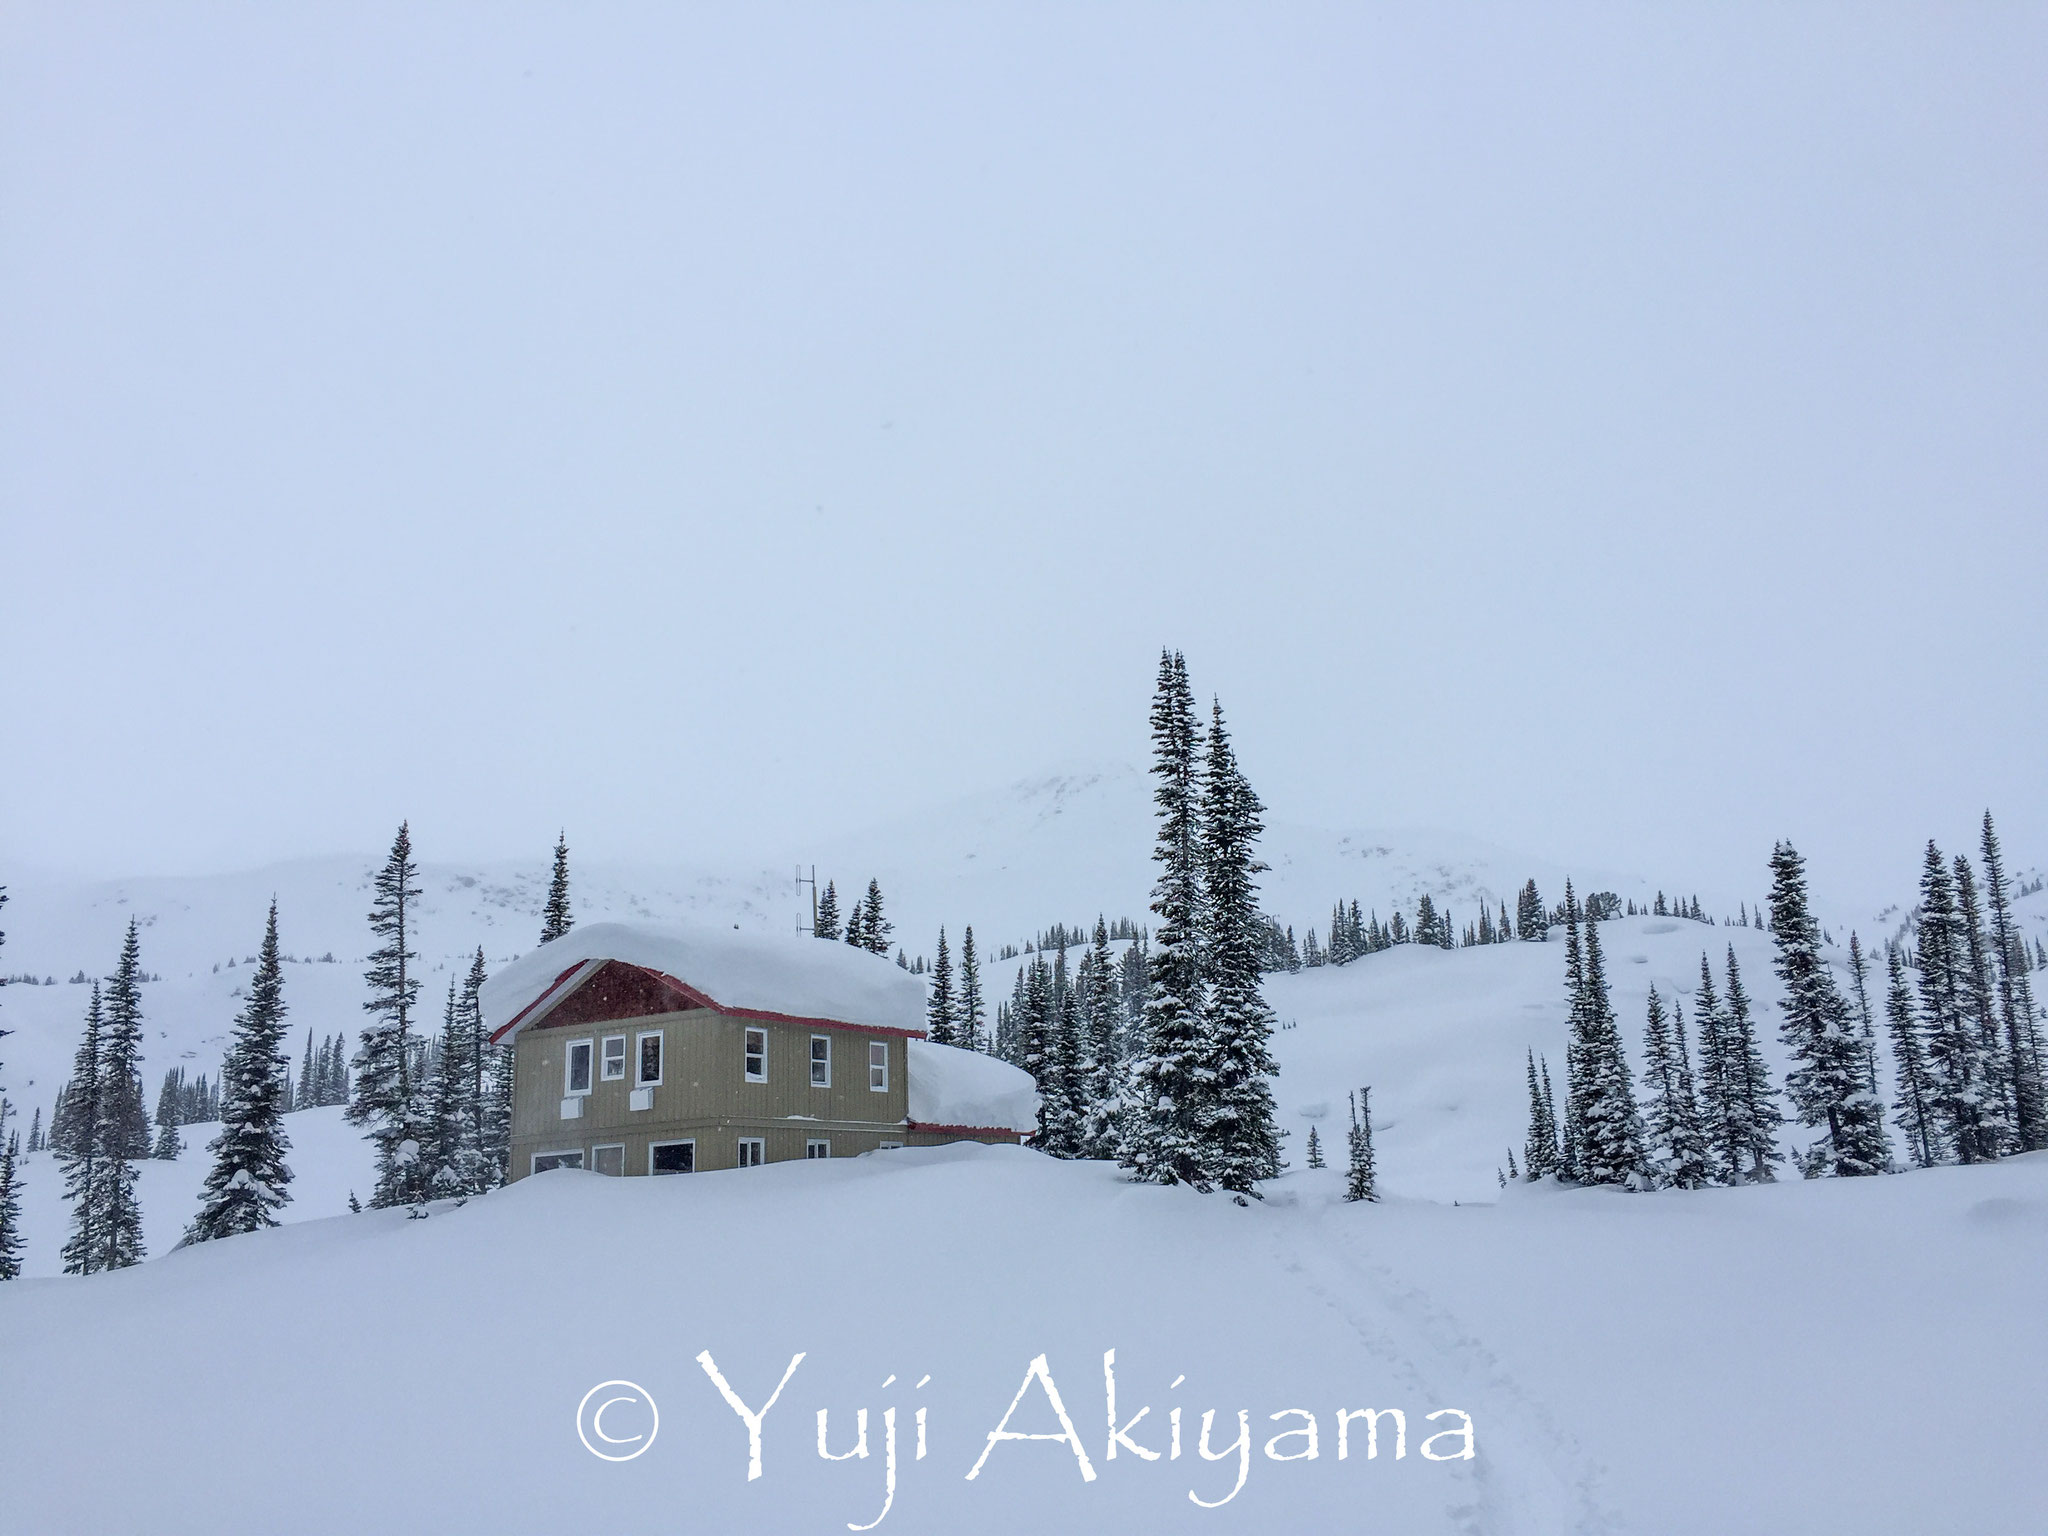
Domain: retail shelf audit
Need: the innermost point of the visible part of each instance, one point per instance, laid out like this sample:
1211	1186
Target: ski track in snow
1532	1476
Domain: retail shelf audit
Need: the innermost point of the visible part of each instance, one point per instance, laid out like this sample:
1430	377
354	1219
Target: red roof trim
702	1000
518	1018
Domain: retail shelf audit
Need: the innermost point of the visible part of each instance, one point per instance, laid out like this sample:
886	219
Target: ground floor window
543	1161
753	1152
887	1146
816	1148
672	1157
608	1160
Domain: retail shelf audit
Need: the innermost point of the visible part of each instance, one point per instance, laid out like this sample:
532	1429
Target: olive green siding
704	1095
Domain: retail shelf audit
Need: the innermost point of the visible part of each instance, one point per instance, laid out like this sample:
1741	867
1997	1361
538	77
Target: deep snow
1835	1357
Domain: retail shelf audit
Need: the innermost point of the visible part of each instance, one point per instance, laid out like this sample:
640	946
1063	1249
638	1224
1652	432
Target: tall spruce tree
556	919
451	1151
122	1129
469	1008
248	1183
1827	1082
1607	1132
971	1006
941	1023
1859	994
1913	1108
386	1100
2015	1003
1754	1103
1234	1055
1161	1139
1964	1096
1531	922
73	1130
1101	1008
1980	1006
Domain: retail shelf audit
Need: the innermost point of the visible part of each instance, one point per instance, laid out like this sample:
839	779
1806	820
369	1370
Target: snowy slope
1805	1358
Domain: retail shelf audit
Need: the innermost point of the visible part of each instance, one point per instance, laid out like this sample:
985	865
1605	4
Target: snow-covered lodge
640	1050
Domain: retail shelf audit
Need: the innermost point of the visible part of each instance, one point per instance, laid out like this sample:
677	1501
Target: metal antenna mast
811	880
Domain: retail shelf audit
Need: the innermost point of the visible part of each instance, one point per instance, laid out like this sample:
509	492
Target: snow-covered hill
1844	1356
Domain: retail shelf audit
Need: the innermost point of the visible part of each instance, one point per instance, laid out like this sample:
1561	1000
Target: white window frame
609	1146
604	1059
759	1144
569	1088
747	1054
660	1039
687	1141
825	1061
812	1144
878	1066
576	1152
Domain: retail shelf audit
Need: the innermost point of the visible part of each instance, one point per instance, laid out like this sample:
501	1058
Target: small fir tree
1361	1179
825	925
249	1181
875	929
556	919
1315	1148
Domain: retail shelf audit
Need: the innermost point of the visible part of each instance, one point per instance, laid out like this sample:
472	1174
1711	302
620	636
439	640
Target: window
878	1066
753	1152
650	1059
608	1160
888	1146
579	1069
672	1157
817	1149
757	1055
545	1161
612	1059
821	1061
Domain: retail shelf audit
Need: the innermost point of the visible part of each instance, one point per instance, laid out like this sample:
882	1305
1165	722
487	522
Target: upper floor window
650	1059
821	1061
578	1076
757	1055
612	1059
878	1066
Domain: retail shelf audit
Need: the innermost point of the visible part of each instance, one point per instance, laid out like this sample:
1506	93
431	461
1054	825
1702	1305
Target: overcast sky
1617	432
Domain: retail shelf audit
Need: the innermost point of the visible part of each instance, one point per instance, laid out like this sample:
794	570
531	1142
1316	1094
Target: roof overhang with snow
779	979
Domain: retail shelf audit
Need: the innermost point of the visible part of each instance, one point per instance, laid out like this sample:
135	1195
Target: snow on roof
949	1086
754	972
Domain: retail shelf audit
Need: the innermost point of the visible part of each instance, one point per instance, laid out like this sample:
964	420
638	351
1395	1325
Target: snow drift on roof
764	973
949	1086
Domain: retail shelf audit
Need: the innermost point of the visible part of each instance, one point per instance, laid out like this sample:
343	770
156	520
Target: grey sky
1616	431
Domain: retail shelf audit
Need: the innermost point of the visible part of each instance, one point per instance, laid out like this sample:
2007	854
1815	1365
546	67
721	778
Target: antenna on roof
809	929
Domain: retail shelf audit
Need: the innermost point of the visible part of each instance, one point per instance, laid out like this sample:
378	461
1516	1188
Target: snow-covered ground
1842	1356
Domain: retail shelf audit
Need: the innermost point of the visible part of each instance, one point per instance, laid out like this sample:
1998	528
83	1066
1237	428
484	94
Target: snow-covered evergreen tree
453	1155
1315	1148
1160	1121
875	929
825	924
1539	1148
386	1100
941	1026
1361	1178
169	1146
1234	1055
1752	1103
248	1183
2029	1092
10	1198
1980	1006
1827	1082
971	1035
1101	1008
121	1129
556	919
1677	1151
1964	1095
496	1151
1913	1108
1603	1141
1531	922
73	1129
